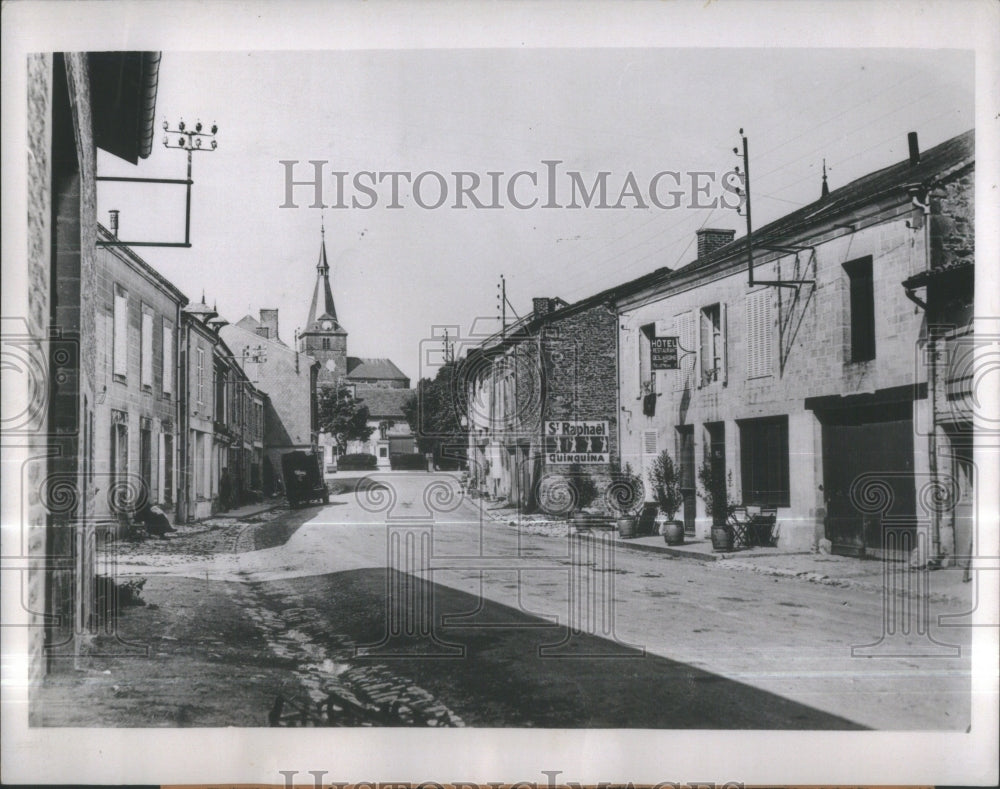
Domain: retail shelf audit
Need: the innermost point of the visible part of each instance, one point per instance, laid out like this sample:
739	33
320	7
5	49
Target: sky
398	275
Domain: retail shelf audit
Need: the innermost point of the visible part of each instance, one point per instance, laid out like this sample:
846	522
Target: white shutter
687	350
146	375
696	322
650	448
724	336
649	442
120	330
759	334
168	357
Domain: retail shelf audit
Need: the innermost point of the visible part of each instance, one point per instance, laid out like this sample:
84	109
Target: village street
471	630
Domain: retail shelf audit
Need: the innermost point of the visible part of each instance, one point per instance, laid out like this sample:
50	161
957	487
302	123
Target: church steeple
325	309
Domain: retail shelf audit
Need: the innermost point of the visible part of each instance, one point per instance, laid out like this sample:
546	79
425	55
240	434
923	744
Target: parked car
303	475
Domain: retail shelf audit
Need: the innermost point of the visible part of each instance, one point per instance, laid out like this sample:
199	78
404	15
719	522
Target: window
712	344
146	352
764	461
326	343
120	330
759	333
862	309
200	378
168	468
167	384
119	491
647	378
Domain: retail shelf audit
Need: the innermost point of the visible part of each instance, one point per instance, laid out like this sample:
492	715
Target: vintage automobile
303	478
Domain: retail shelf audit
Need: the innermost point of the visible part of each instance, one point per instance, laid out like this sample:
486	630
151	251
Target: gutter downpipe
932	375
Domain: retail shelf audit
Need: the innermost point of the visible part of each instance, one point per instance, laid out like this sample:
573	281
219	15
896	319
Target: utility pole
502	306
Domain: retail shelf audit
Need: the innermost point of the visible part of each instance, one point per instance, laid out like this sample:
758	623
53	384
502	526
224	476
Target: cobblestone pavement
313	667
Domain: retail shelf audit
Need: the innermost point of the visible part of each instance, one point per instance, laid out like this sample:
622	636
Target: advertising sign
664	353
584	442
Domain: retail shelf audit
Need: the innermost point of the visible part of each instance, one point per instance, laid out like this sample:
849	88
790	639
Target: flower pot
626	527
722	539
673	532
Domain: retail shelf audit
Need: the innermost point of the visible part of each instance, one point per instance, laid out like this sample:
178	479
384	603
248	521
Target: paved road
484	625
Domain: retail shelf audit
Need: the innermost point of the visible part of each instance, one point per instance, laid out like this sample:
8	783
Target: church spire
325	308
825	190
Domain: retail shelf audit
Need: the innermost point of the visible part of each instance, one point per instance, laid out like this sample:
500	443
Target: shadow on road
499	666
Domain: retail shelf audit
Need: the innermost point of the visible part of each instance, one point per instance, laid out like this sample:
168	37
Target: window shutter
649	447
766	339
698	329
724	334
168	358
687	351
120	351
759	334
146	377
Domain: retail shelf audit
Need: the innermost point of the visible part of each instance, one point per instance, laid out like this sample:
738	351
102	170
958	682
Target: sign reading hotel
663	353
584	442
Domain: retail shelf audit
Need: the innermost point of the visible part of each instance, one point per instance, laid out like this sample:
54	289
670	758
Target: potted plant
624	497
665	479
584	492
715	494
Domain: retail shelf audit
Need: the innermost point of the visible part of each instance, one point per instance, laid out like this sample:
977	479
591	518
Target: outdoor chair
760	529
738	522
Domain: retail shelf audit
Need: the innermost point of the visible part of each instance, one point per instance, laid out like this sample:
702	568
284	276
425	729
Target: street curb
724	560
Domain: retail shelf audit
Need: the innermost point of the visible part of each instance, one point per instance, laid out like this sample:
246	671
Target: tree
434	413
343	416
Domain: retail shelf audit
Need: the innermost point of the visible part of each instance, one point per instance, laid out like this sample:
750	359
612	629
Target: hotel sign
583	442
663	353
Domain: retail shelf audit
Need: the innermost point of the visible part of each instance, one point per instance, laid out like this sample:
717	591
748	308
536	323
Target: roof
251	324
384	403
129	255
381	369
123	96
322	302
934	163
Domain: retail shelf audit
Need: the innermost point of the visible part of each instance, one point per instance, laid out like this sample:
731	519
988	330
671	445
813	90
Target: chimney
113	221
542	306
269	322
911	138
710	239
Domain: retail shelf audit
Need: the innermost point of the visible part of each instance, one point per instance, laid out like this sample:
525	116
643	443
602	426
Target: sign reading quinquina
584	442
663	353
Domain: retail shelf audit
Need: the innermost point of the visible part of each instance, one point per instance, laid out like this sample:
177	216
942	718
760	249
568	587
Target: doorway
869	448
716	449
685	454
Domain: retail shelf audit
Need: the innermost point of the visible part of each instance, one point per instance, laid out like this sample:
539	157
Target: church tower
323	337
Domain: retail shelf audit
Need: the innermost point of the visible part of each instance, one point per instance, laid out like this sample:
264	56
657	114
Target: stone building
287	378
76	103
391	434
199	479
135	408
806	397
543	403
239	429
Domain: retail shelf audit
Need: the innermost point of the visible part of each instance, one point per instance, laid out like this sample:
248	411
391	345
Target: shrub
360	461
407	461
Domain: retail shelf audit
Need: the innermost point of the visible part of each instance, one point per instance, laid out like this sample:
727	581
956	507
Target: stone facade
135	425
557	366
57	331
288	378
787	356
